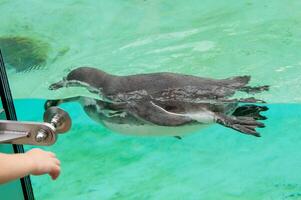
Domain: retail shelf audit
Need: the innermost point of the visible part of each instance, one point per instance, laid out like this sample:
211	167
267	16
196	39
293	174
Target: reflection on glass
2	113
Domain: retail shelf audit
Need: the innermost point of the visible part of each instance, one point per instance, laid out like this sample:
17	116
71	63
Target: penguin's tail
253	90
237	81
240	83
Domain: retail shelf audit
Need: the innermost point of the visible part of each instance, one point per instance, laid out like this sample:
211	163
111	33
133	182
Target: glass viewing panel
42	42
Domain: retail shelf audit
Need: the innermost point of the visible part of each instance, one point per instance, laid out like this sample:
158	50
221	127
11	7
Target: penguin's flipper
150	112
246	125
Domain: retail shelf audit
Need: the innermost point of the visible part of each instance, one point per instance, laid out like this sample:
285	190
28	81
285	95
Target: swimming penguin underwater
164	103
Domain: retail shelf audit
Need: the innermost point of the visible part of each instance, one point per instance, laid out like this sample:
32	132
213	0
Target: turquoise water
215	39
212	38
215	163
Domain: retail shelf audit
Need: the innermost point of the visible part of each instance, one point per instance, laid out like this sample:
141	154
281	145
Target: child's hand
43	162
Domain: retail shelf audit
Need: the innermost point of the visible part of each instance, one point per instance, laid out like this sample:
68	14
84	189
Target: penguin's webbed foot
246	125
251	111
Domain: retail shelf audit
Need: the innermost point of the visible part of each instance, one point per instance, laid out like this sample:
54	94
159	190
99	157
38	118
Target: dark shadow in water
24	53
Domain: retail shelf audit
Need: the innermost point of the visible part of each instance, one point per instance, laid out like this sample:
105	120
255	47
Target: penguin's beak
58	85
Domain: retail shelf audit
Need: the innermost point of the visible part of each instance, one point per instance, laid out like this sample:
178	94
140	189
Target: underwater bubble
24	53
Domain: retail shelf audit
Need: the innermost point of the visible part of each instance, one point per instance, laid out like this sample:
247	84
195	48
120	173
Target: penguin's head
82	76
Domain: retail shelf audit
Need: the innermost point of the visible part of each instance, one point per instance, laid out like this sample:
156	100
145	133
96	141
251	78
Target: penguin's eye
169	108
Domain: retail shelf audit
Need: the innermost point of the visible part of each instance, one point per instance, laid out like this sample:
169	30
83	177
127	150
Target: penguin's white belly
204	117
154	130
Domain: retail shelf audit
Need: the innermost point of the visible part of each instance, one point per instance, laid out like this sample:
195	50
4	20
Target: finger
57	161
55	172
51	154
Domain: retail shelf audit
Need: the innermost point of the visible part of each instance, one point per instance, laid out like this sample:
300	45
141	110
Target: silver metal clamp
44	133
